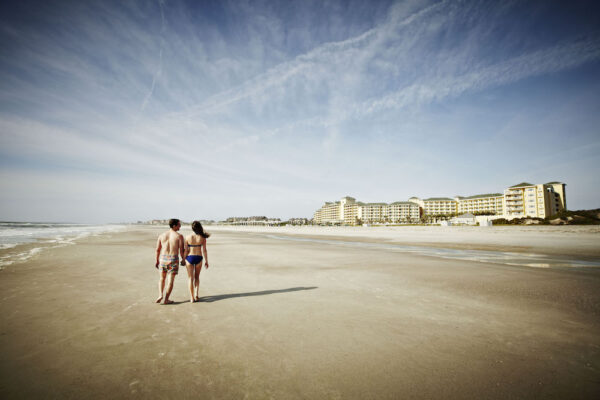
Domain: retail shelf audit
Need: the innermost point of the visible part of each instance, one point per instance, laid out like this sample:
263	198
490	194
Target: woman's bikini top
194	245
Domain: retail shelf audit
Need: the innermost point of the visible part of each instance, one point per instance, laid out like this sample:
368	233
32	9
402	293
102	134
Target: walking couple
169	246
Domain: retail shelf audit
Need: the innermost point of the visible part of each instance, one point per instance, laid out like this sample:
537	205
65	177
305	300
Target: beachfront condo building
492	204
329	214
518	201
436	205
534	200
403	211
348	211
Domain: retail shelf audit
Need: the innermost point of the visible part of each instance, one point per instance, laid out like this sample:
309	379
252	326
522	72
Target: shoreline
23	252
582	242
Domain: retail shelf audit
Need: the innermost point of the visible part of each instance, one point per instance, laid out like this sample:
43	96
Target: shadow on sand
210	299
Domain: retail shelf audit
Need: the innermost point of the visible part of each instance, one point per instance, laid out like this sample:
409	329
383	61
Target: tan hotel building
522	200
535	200
436	205
489	203
350	212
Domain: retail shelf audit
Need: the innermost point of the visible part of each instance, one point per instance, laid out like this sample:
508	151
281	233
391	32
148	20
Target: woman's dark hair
198	230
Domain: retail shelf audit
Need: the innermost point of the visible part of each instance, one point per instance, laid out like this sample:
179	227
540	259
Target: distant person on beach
195	247
168	247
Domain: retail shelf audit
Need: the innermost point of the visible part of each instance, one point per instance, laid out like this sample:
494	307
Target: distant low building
299	221
252	221
464	219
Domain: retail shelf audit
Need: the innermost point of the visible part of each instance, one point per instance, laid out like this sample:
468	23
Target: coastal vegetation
564	217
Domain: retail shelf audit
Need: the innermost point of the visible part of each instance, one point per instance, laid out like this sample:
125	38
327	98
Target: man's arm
186	249
158	249
182	248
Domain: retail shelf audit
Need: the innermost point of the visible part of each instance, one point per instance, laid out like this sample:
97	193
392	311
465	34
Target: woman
195	246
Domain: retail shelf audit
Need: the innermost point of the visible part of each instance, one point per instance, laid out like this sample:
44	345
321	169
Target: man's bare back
171	242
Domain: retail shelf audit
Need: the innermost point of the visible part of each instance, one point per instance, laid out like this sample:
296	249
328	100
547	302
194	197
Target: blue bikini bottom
194	260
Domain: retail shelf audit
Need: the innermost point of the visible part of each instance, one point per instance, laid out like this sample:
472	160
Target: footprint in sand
133	386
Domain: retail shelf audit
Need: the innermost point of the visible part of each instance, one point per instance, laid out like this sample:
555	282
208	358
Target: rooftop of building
479	196
438	199
555	183
522	184
403	202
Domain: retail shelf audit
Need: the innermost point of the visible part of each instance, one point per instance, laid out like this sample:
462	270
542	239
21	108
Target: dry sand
283	319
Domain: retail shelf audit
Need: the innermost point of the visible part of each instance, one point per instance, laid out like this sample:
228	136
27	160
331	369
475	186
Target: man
168	246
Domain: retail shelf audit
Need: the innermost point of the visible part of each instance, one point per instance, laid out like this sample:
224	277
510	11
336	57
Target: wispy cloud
556	58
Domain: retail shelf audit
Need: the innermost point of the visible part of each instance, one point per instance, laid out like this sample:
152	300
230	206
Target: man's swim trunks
169	263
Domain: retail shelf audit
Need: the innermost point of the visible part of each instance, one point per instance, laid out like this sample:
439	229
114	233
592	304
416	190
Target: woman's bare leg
190	271
197	280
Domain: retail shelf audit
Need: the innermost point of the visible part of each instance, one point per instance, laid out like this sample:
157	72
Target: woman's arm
205	253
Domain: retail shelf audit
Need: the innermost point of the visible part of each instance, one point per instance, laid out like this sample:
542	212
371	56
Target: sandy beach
284	318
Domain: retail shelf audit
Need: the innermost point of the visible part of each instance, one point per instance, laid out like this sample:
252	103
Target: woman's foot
169	302
158	300
192	300
197	298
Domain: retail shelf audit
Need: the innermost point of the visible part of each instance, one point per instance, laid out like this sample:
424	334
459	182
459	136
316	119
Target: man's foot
197	298
158	300
169	302
192	300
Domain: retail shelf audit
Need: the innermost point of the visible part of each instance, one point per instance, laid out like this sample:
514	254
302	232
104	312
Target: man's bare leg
190	271
161	285
197	279
169	288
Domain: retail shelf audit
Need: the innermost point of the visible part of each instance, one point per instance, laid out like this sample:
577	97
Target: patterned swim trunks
169	263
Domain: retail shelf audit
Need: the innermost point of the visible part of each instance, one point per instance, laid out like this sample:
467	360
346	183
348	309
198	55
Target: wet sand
289	319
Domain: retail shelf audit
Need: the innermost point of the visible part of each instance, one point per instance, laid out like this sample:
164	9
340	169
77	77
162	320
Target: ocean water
43	235
497	257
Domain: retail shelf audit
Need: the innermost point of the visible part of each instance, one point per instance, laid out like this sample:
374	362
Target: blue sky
133	110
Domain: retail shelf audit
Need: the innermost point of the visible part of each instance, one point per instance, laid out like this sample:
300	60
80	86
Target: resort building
491	204
436	205
403	211
518	201
534	200
348	211
330	213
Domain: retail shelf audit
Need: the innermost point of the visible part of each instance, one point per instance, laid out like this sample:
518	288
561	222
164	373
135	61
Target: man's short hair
173	222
